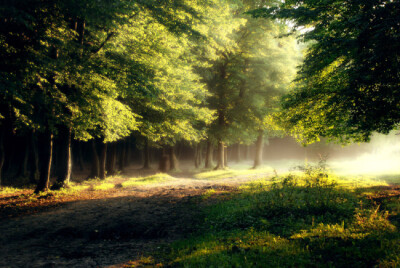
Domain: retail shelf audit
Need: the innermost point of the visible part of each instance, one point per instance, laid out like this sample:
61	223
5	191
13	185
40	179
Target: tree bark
259	149
111	159
127	155
79	156
2	152
173	160
23	169
45	157
64	160
209	155
198	155
146	154
103	159
220	156
196	162
95	171
121	155
164	164
34	176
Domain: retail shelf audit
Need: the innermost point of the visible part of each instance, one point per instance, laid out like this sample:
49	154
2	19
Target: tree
348	86
246	80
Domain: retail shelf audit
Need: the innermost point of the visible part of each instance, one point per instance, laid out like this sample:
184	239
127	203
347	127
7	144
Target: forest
178	94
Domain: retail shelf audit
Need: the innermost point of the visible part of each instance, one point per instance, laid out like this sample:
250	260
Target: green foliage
348	84
246	79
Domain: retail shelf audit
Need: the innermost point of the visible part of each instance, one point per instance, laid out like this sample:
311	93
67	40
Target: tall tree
348	86
246	80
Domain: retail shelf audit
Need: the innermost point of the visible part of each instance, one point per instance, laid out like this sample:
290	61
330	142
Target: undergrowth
300	220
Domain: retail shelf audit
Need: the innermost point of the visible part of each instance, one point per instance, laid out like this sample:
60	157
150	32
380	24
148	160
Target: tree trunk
111	159
95	171
226	156
198	155
173	161
127	155
209	155
79	156
220	156
45	157
259	149
103	160
164	164
2	152
23	169
64	159
34	176
146	154
196	159
121	154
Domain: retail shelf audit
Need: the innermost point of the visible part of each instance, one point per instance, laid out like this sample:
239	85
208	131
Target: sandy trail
107	232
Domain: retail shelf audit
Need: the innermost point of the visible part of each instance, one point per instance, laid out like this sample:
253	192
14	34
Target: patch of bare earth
99	228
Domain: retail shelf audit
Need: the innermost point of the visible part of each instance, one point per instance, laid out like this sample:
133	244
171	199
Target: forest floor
104	226
118	222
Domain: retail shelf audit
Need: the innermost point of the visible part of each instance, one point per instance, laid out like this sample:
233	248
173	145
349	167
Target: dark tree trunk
164	164
209	155
34	176
111	159
2	152
220	156
198	155
146	155
127	145
173	160
79	156
95	171
64	159
259	149
103	160
122	156
45	157
23	169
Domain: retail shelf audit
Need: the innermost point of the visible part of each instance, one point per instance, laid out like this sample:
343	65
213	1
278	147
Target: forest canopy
102	74
107	76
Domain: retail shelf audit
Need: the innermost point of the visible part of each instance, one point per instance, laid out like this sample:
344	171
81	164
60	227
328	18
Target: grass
233	171
297	220
157	178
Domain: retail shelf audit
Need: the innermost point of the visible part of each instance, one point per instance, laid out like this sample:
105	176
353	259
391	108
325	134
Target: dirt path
105	232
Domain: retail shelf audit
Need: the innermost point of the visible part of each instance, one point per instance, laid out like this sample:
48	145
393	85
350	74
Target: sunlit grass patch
300	219
353	181
207	194
12	190
104	186
227	173
157	178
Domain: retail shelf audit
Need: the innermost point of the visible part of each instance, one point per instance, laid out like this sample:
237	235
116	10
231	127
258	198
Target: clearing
106	224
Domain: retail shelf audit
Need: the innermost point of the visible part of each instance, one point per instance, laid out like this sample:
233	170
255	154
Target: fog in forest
379	157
